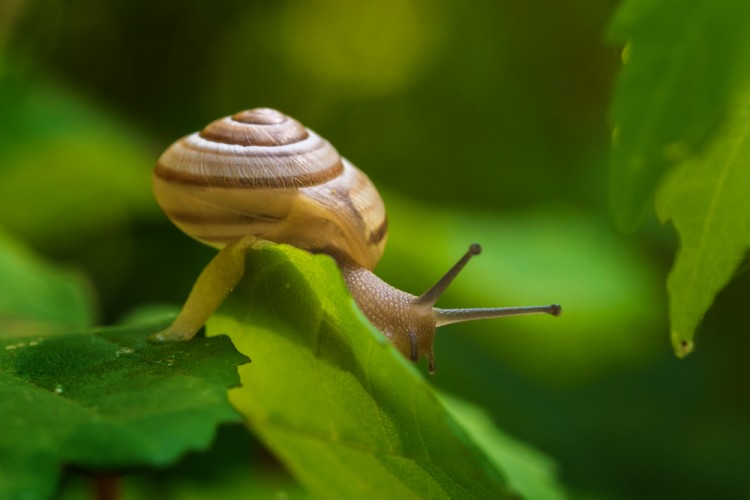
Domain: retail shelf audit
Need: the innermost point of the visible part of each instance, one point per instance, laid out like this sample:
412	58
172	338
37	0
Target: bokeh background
478	120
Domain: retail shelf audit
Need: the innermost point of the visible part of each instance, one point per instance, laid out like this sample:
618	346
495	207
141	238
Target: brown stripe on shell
376	232
272	151
377	235
255	127
356	210
249	182
293	157
261	116
226	218
248	152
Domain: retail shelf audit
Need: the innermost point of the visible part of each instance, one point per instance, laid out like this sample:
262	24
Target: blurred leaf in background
707	199
236	466
68	168
73	178
675	89
38	298
679	102
360	49
609	292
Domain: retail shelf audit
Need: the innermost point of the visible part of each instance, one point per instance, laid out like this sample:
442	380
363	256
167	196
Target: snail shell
260	172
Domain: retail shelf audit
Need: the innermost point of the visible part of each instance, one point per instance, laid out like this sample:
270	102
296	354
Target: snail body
259	176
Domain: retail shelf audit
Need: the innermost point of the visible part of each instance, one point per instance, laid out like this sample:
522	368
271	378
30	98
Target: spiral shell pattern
263	173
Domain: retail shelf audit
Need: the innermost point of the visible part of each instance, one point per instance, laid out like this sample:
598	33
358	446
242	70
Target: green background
479	121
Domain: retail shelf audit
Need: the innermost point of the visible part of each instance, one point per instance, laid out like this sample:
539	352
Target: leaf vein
710	218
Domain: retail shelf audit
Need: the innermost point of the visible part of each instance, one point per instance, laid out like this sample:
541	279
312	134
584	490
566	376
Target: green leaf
37	298
234	467
707	201
529	472
106	400
335	401
682	65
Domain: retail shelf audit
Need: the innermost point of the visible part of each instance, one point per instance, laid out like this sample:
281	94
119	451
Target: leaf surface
36	297
332	397
707	201
674	89
106	400
529	472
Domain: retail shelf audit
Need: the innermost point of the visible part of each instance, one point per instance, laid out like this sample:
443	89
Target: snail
260	176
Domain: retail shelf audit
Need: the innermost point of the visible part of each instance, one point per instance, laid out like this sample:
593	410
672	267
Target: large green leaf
333	398
36	297
106	400
683	63
707	200
529	472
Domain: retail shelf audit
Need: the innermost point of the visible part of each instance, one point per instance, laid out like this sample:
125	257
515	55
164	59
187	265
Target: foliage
65	148
529	472
678	102
706	199
377	429
604	279
478	121
106	400
676	85
45	298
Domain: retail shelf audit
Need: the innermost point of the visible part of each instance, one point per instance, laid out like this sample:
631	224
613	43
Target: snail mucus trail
259	176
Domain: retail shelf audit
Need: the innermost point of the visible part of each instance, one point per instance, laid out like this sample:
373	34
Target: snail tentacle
260	176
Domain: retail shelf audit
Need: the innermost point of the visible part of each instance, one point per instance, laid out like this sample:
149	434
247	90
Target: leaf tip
682	347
